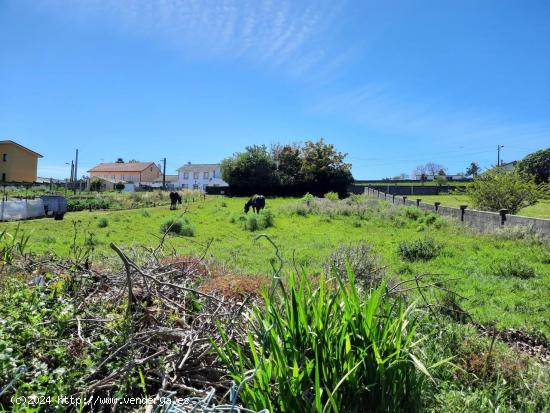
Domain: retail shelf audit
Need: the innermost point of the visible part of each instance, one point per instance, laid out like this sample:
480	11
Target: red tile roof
122	167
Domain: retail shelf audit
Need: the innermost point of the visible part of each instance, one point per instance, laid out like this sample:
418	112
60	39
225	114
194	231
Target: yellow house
17	163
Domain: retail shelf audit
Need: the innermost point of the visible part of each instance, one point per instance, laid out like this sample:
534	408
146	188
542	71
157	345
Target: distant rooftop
122	167
198	167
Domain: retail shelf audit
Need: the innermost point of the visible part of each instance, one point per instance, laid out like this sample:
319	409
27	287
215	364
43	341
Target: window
185	186
195	175
186	175
195	186
5	157
3	177
205	175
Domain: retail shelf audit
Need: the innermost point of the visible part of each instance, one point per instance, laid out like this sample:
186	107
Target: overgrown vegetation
420	249
68	319
328	349
178	226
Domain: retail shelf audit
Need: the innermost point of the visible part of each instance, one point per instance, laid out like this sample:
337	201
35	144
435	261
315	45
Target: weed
102	222
419	250
513	267
333	196
181	226
359	258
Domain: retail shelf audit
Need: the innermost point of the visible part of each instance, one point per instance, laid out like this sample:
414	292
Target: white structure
199	176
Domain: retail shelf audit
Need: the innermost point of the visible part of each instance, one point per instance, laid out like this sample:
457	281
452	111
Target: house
130	172
509	166
199	176
17	163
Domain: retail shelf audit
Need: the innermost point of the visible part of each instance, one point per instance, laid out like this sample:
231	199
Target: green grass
540	210
465	263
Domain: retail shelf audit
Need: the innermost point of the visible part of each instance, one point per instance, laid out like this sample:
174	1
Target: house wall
151	173
188	180
20	165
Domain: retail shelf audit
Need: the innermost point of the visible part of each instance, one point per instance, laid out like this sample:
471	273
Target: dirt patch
236	286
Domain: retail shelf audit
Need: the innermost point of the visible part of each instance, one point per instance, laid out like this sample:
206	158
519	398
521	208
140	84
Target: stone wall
481	220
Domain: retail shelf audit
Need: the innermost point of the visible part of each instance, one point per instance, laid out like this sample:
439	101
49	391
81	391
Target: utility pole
71	180
164	176
499	147
76	172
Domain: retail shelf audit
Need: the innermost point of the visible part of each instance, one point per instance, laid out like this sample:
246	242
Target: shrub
333	196
263	220
419	250
361	259
180	226
412	213
145	213
513	267
499	189
102	222
327	349
308	198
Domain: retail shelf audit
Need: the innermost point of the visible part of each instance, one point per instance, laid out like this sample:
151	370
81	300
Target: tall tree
323	168
537	165
289	163
473	169
250	171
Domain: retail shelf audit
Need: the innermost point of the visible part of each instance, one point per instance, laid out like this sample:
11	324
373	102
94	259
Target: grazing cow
175	199
257	202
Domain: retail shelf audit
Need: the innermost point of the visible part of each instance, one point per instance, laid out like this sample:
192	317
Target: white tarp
21	209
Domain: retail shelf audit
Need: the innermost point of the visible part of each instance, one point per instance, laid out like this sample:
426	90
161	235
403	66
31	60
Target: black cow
175	199
257	202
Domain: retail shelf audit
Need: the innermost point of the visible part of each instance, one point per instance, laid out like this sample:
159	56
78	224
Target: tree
435	169
120	160
119	186
95	185
323	169
289	163
440	179
473	169
499	189
537	165
252	171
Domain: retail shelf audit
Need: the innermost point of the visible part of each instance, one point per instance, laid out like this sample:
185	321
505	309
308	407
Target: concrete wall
481	220
413	189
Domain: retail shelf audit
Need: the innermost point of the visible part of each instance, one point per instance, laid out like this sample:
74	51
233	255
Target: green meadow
504	278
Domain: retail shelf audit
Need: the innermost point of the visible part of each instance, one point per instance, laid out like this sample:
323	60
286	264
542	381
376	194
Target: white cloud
276	33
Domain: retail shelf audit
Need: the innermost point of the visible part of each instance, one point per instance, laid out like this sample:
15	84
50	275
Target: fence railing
481	220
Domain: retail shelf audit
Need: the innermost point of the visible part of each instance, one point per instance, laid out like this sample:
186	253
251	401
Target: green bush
308	198
513	267
102	222
259	221
333	196
324	348
499	189
412	213
181	226
419	250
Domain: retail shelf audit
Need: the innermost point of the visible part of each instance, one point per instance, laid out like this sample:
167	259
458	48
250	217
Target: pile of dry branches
162	321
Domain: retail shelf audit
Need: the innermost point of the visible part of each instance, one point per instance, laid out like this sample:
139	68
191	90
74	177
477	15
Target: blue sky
392	83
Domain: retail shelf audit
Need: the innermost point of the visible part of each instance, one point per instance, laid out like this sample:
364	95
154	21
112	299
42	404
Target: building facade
17	163
199	176
131	172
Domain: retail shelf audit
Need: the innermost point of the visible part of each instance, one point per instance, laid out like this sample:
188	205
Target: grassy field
418	183
479	267
540	210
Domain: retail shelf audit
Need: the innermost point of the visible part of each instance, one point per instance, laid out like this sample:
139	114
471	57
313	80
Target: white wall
191	181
